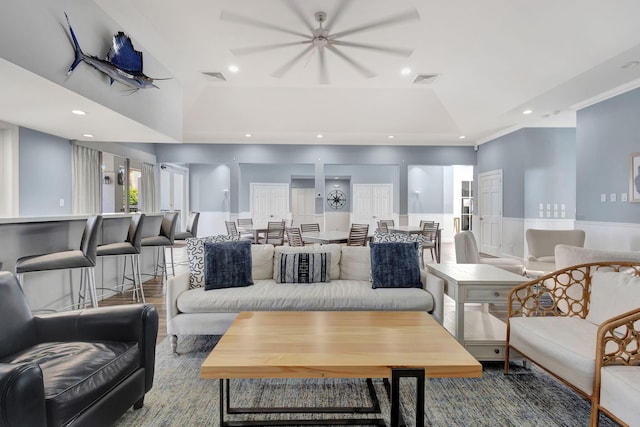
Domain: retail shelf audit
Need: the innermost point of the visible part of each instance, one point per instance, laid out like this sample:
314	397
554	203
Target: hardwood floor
154	290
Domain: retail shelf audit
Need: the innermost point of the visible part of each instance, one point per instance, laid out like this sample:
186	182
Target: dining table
414	229
326	237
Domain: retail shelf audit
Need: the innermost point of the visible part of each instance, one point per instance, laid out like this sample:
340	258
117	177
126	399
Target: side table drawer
486	294
486	351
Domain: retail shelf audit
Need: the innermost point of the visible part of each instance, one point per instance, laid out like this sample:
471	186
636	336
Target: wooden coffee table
338	344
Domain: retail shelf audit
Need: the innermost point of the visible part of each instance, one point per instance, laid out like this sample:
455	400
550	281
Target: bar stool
83	258
163	240
181	236
130	248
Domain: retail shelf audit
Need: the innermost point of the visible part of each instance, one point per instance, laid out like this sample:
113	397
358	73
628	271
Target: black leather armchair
74	368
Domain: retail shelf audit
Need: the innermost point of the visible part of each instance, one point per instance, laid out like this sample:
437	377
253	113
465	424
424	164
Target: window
466	205
120	183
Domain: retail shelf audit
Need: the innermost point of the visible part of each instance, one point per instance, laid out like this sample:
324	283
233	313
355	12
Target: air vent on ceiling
425	78
215	76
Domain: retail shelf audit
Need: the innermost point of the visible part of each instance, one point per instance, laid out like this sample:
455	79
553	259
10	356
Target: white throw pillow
355	263
612	294
333	249
262	262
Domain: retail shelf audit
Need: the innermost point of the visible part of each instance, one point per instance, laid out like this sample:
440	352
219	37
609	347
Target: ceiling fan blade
337	14
286	67
323	74
293	6
410	15
245	20
363	70
255	49
383	49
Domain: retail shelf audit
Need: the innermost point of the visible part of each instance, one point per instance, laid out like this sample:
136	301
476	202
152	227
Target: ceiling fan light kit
321	39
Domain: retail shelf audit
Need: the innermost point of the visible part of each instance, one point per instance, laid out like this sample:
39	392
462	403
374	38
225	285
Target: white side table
480	332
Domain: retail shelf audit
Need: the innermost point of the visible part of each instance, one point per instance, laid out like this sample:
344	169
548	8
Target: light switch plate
61	203
603	198
612	197
541	214
623	197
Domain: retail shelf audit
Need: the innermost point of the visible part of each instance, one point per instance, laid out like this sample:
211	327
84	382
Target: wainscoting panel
612	236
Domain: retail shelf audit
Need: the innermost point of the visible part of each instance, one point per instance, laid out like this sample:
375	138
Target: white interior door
269	202
303	206
490	189
372	202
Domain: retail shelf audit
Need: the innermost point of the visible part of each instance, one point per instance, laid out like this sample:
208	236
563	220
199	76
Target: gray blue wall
538	166
607	134
45	174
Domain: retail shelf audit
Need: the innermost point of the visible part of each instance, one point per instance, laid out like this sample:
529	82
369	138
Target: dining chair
83	258
294	236
275	233
310	228
383	227
358	235
232	230
430	234
388	222
246	223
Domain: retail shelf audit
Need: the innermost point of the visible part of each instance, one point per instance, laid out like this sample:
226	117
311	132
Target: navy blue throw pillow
227	265
395	265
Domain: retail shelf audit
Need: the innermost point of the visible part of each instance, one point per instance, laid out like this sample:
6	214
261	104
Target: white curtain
148	188
86	180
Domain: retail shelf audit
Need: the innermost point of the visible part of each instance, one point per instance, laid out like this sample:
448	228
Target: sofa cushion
336	295
566	346
395	265
304	267
261	262
333	249
355	263
227	265
76	374
612	294
195	252
620	392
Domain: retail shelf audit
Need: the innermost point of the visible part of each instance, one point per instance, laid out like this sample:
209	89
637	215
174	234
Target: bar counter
51	290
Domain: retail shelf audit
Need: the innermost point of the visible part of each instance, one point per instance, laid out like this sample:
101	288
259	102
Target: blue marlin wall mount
122	64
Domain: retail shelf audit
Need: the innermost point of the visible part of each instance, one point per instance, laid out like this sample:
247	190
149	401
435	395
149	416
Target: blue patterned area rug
526	397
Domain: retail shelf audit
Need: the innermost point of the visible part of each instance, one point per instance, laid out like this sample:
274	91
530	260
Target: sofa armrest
175	286
22	395
135	322
618	339
435	286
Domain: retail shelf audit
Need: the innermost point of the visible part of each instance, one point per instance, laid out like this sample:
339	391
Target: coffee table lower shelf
393	393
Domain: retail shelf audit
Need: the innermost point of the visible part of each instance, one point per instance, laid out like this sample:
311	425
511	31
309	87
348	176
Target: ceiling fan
321	38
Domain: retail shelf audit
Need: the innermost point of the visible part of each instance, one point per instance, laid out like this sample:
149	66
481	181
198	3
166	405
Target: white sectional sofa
582	324
194	311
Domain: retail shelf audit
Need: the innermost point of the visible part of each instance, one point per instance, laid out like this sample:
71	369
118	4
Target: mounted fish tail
123	63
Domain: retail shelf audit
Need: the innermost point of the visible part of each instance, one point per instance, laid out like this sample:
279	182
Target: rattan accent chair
358	235
549	323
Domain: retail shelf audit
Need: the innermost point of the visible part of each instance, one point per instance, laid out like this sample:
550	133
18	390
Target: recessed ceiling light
78	112
391	137
234	68
87	135
462	137
405	71
527	112
248	135
319	135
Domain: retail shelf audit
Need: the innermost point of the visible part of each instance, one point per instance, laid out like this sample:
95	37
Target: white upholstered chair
467	253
